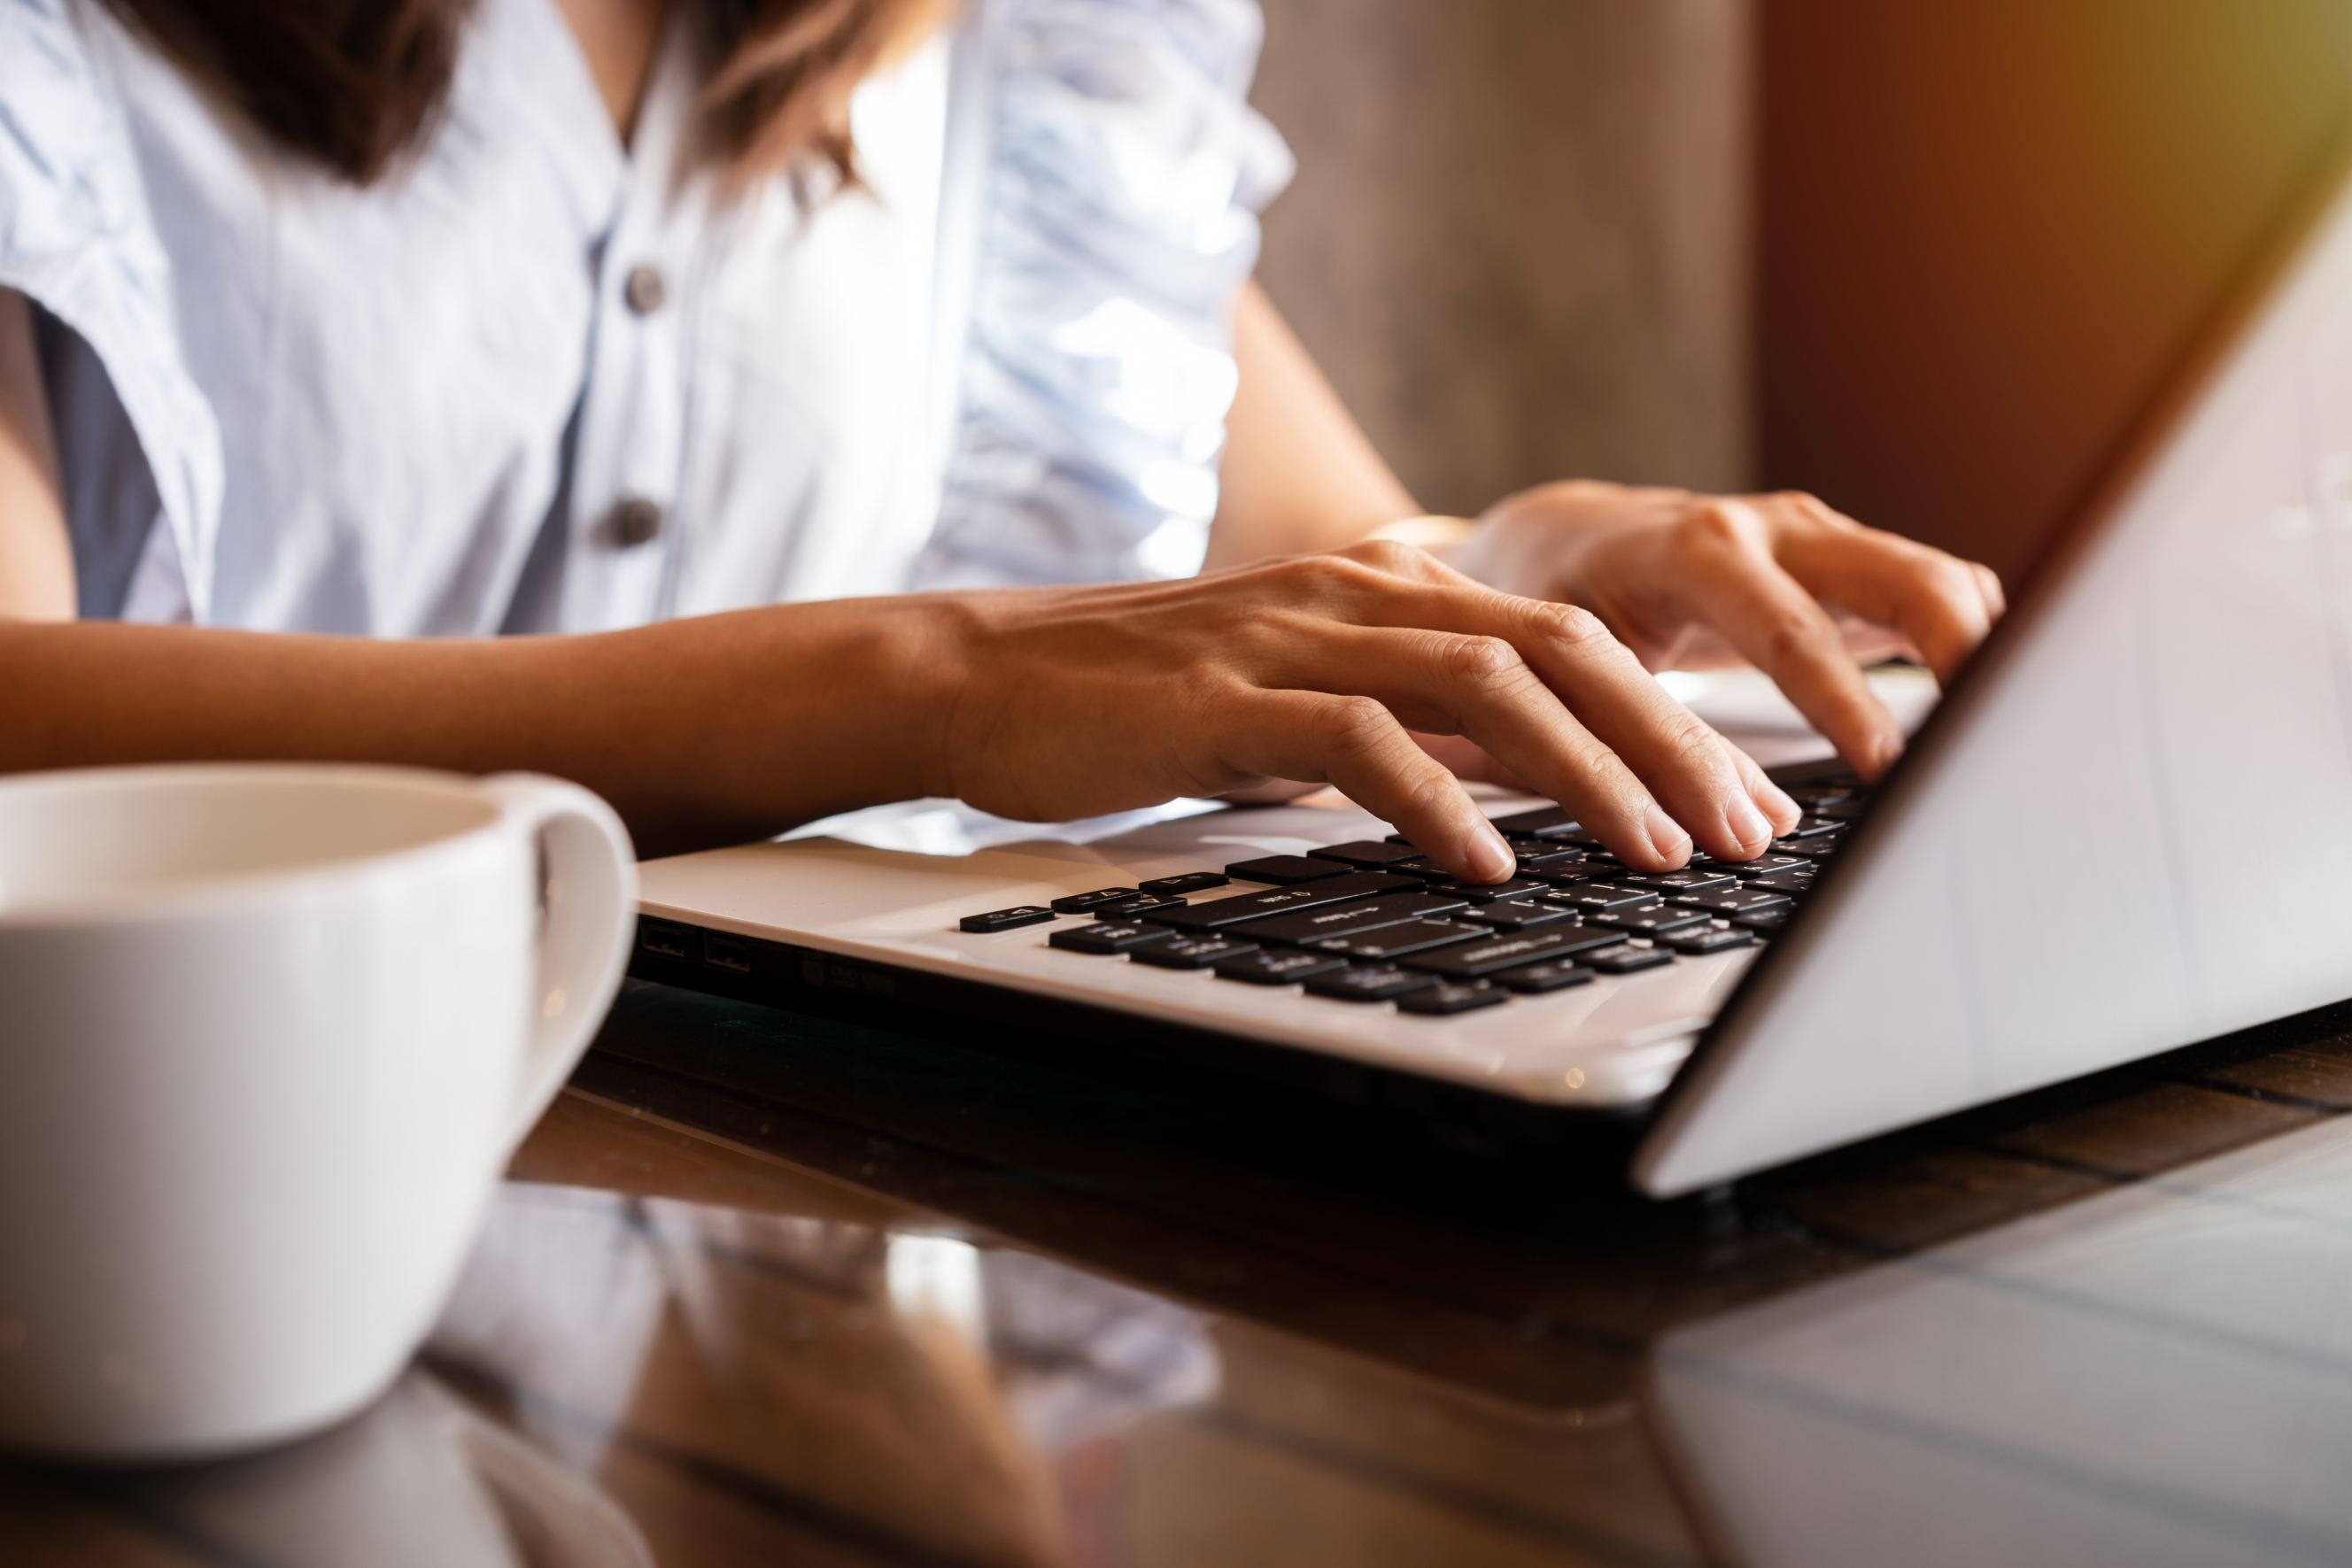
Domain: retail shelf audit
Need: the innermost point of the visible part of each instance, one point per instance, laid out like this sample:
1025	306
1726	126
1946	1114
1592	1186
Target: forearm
707	730
1300	473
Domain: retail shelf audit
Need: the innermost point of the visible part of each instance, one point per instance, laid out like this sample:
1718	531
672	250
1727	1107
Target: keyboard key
1278	969
1192	952
1626	959
1515	914
1733	900
1678	880
1007	919
1347	919
1815	849
1498	952
1817	828
1284	870
1603	895
1420	866
1763	866
1572	873
1535	854
1793	883
1345	889
1365	852
1452	997
1108	936
1700	939
1489	892
1649	921
1543	822
1766	921
1844	808
1534	979
1184	883
1369	983
1142	903
1396	941
1086	902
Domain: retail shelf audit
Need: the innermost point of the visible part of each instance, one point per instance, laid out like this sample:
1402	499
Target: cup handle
592	901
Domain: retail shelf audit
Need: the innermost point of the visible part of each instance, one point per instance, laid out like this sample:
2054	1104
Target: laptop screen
1989	233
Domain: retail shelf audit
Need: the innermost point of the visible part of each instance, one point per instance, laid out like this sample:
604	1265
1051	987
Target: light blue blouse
538	382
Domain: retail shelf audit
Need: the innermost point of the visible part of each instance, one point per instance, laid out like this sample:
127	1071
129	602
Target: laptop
2125	829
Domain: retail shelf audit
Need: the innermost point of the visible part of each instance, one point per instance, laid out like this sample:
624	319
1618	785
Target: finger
1782	812
1693	774
1730	810
1482	687
1357	745
1936	600
1779	808
1644	737
1771	618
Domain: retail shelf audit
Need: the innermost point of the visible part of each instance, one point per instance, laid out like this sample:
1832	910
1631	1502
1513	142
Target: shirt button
636	521
644	291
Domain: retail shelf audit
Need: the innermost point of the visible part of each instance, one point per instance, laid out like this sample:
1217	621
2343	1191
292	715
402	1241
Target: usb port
722	951
664	939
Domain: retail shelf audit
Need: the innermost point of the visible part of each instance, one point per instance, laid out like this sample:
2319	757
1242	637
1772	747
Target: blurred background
1925	259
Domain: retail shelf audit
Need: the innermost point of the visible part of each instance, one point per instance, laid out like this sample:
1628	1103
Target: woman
763	357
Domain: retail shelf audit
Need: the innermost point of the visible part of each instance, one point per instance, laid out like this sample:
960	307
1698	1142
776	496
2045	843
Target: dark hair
354	83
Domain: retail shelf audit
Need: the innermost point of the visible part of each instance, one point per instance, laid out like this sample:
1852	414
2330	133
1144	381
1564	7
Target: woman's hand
1783	581
1073	702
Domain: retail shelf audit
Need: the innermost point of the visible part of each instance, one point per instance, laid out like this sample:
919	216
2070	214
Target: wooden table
763	1288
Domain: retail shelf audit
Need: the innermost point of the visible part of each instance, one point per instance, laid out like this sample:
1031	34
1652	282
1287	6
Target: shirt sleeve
1123	174
78	240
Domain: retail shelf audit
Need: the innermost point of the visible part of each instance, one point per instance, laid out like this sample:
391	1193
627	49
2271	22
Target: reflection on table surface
765	1288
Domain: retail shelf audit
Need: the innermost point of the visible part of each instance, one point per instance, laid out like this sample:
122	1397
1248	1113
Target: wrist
930	656
852	706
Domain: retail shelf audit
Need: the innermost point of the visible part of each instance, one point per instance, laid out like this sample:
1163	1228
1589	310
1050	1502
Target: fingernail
1666	835
1490	858
1747	823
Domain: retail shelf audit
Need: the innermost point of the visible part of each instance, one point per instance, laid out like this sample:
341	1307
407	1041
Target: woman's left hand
1803	592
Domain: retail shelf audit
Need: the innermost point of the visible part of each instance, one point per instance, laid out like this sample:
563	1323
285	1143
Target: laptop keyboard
1375	922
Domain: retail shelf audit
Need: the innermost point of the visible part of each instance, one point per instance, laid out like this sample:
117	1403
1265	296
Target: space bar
1321	894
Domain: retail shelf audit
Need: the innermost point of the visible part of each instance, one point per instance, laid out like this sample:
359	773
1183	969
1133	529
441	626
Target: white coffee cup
268	1035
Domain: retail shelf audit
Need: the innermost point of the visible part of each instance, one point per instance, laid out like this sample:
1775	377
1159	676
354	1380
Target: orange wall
1985	224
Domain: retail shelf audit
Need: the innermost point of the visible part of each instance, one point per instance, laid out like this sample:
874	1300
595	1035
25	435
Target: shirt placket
629	452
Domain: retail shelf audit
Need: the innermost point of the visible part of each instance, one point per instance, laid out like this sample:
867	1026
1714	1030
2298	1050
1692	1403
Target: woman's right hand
1074	702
